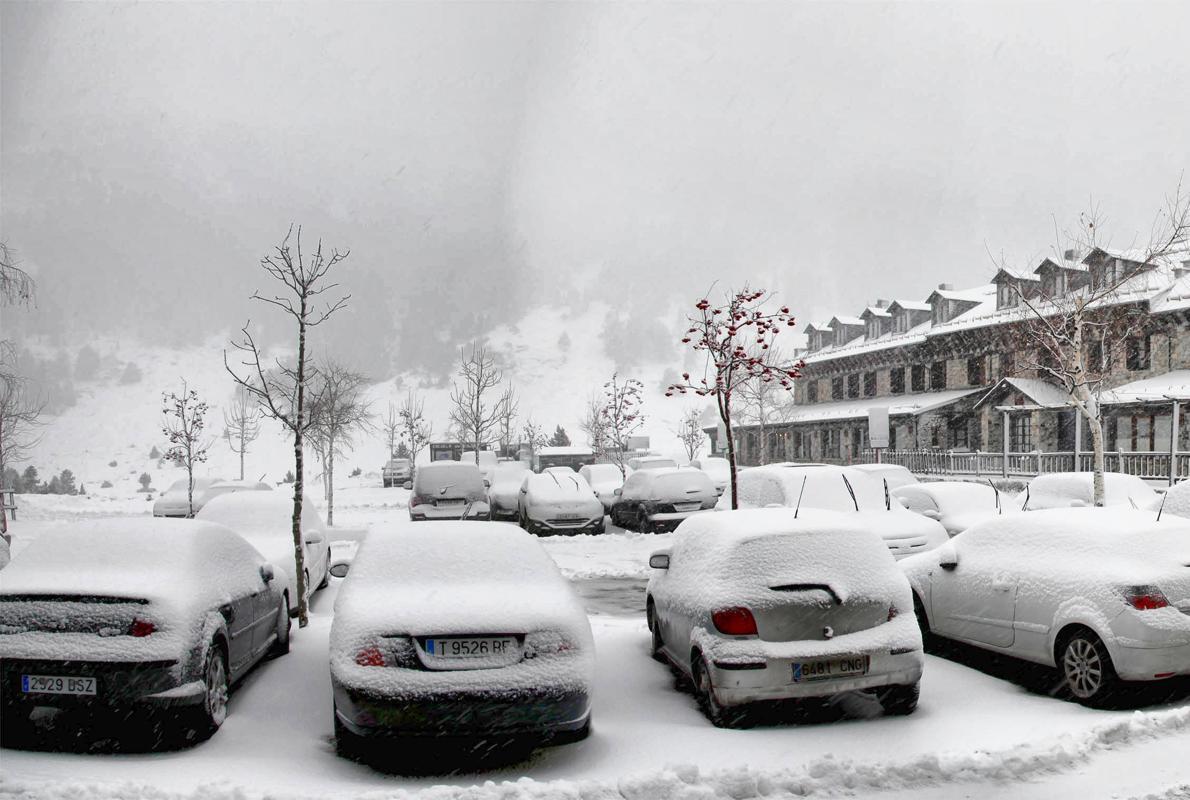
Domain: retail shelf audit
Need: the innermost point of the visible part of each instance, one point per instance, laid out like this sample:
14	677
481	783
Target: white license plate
450	502
471	647
828	668
56	684
570	516
687	506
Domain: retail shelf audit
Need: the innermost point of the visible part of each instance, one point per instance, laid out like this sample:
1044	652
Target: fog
479	160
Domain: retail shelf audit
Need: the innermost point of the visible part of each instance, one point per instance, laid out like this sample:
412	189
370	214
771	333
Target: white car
1101	594
175	501
448	490
656	500
265	519
1176	499
717	468
757	606
504	494
956	504
486	462
1076	490
457	630
650	462
896	475
553	502
826	487
604	479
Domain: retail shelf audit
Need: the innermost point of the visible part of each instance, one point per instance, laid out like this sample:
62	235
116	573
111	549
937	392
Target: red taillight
1144	598
415	500
141	627
370	657
735	622
892	612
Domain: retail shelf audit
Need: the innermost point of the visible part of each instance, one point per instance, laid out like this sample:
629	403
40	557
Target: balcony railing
1151	466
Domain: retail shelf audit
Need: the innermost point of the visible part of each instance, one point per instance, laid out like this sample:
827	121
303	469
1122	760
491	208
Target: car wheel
347	744
1087	669
600	528
570	737
657	644
209	714
284	625
719	716
899	700
16	729
923	621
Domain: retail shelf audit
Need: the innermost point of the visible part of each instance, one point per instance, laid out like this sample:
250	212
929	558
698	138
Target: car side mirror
409	484
266	573
659	561
487	484
948	557
719	490
618	492
339	569
931	513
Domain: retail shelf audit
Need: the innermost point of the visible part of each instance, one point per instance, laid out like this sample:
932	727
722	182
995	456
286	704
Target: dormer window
939	312
901	322
1006	296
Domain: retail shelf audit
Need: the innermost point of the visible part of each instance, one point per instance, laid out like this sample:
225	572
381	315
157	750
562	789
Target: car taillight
370	657
734	622
1144	598
892	612
416	500
141	627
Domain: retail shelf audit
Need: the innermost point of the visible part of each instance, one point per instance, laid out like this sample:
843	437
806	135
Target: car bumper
1151	663
671	519
118	685
567	527
424	512
460	715
774	680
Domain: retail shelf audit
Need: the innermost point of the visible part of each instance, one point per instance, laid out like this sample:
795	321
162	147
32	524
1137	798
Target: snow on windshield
456	478
687	481
824	488
1059	489
559	486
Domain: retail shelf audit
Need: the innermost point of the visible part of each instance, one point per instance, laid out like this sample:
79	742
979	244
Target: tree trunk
299	556
725	415
330	486
241	451
764	439
190	485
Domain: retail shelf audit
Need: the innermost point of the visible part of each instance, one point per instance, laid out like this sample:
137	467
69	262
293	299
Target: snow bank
995	771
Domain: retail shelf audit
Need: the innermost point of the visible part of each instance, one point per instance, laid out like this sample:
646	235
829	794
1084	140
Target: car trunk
102	616
813	611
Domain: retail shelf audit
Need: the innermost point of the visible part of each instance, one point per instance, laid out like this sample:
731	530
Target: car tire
208	715
719	716
16	729
1086	667
600	528
899	700
923	620
570	737
347	744
284	627
656	643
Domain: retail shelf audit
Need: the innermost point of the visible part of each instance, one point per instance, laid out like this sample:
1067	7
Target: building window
901	322
812	392
837	388
938	375
960	436
1144	429
853	385
1007	297
975	371
896	380
1138	352
918	378
858	435
939	312
830	444
1020	432
869	384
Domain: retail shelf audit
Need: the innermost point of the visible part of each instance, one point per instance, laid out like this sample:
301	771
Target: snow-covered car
5	552
650	462
448	490
757	606
824	487
896	475
459	630
1176	499
486	461
231	487
604	479
1103	594
956	504
717	468
1076	490
175	501
504	495
397	472
553	502
654	500
128	615
265	519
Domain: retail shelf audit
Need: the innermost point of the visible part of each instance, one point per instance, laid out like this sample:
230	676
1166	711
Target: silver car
760	606
448	490
175	501
555	502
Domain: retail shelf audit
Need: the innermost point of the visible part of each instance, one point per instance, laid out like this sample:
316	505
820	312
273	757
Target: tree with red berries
738	339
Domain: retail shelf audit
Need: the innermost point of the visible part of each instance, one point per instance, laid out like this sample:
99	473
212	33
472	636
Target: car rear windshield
783	559
679	484
455	479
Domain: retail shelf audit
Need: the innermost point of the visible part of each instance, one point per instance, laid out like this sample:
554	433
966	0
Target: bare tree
622	401
184	420
507	423
1074	330
765	402
414	429
16	285
241	424
19	415
475	407
392	429
690	432
282	392
341	413
533	435
594	424
730	334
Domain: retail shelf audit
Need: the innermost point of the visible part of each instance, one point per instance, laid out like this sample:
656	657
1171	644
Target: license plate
56	684
450	502
570	516
471	647
842	667
687	506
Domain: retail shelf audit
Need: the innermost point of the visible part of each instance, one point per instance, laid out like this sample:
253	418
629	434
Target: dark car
448	490
453	631
657	500
110	618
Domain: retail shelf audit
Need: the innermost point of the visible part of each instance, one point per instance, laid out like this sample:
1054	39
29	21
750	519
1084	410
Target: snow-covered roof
977	294
847	321
910	305
876	311
821	327
1158	388
1014	274
564	451
860	346
1070	266
858	408
1042	393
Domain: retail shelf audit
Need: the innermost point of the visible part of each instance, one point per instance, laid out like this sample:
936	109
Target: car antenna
999	509
1025	507
887	499
1135	507
851	492
799	497
1161	507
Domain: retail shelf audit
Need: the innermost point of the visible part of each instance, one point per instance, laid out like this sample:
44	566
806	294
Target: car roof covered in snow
824	486
555	485
1058	489
258	513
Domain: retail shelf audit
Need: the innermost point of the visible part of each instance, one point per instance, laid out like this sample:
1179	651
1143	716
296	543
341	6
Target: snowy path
974	735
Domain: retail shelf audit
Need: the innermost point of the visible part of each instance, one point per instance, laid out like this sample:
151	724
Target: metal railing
1151	466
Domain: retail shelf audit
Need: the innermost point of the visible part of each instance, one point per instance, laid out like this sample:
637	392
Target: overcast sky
479	159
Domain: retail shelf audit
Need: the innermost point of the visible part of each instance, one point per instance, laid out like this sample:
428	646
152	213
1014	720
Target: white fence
1152	466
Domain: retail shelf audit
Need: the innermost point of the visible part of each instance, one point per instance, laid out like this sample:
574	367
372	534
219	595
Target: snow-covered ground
974	735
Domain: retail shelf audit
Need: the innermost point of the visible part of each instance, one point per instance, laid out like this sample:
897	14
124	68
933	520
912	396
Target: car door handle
1003	585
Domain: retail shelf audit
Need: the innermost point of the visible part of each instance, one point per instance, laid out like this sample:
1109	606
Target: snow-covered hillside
554	375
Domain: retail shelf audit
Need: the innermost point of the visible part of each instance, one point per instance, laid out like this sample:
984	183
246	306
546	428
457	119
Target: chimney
946	287
881	303
1069	255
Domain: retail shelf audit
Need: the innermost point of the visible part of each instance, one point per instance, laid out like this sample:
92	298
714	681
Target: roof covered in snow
1041	393
897	405
1171	385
